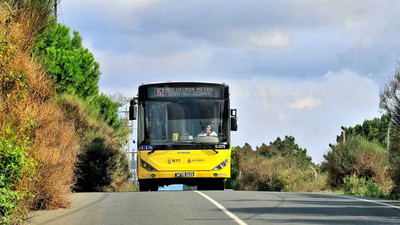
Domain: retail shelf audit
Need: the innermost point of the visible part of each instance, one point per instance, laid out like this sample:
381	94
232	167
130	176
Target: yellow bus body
170	162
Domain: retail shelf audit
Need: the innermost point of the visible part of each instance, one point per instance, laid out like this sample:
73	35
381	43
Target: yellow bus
183	134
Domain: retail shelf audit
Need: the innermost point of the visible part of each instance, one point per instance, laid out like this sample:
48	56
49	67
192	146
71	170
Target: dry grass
56	150
31	107
102	165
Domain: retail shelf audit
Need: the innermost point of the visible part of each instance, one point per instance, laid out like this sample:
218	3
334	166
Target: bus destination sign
184	92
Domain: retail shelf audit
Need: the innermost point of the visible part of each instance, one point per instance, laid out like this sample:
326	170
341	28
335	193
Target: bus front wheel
144	185
148	185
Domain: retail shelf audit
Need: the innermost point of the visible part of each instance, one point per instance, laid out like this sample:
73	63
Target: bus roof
180	83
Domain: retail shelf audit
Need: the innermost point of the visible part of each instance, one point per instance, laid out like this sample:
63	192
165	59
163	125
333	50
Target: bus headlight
221	165
147	166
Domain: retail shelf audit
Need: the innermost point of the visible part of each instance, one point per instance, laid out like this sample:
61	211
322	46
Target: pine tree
71	66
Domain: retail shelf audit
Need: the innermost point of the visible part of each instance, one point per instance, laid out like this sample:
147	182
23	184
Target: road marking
372	201
227	212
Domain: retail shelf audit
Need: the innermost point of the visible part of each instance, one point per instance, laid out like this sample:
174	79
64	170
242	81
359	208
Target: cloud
307	102
269	107
253	38
270	40
283	60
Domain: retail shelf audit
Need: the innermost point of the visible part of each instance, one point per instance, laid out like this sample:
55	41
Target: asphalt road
191	207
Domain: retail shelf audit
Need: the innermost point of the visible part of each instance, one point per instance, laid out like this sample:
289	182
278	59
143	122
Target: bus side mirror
133	109
234	125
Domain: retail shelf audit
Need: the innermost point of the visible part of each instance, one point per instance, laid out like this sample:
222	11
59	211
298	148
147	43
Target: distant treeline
357	164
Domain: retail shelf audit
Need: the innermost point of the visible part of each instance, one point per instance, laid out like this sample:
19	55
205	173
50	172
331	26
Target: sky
300	68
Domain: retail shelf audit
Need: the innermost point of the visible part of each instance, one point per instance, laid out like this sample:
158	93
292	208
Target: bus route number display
182	92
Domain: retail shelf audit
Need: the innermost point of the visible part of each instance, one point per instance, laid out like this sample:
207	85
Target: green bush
355	156
9	206
354	185
102	165
373	190
12	160
281	166
233	183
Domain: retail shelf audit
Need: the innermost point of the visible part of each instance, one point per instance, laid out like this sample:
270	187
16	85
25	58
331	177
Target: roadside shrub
12	160
233	182
102	165
103	168
258	173
354	185
355	156
38	146
394	161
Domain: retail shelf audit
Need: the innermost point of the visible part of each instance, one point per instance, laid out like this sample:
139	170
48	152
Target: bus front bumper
184	174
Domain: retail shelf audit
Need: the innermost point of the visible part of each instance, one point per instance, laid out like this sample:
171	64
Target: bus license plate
184	174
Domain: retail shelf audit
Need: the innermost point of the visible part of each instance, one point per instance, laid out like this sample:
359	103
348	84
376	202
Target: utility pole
55	9
131	155
388	144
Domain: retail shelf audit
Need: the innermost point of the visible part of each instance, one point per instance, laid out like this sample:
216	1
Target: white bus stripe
227	212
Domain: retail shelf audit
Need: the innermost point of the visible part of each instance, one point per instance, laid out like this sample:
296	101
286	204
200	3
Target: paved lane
305	208
188	207
161	208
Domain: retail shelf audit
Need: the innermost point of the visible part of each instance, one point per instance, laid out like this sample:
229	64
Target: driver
207	132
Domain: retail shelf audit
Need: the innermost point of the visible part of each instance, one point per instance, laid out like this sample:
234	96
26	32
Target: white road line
372	201
227	212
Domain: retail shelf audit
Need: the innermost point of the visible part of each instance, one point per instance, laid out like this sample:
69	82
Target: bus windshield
185	122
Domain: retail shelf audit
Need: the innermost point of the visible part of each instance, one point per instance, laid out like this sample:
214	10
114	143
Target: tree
390	99
70	65
390	103
267	151
280	166
372	130
288	147
108	110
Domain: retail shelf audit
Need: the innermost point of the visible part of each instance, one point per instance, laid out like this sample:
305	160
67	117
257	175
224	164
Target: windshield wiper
150	152
216	152
208	147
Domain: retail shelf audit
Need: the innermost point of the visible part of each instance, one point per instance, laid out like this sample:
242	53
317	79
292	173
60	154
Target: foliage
288	147
133	187
232	183
394	161
390	104
12	160
373	130
38	149
355	156
103	168
102	165
108	110
281	166
354	185
390	101
70	65
40	13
